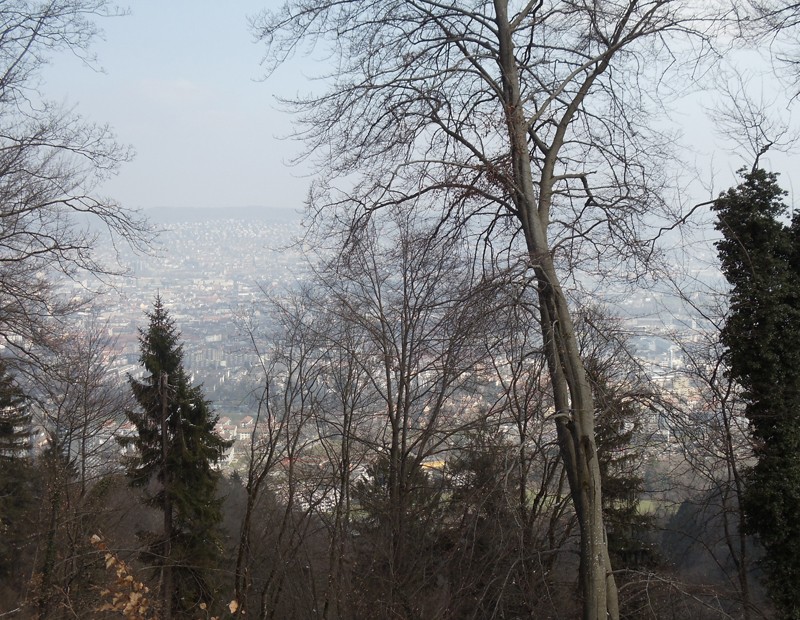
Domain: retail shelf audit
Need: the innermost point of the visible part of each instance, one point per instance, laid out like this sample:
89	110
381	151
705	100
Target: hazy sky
180	83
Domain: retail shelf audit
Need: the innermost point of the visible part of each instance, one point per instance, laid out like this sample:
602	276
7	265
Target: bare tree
79	402
525	124
382	355
51	163
411	341
515	530
713	446
346	431
718	450
82	400
283	428
774	24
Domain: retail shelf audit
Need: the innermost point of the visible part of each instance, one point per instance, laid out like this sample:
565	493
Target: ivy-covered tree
176	450
760	257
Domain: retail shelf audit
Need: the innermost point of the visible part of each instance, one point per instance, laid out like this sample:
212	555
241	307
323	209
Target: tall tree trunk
571	391
166	567
575	424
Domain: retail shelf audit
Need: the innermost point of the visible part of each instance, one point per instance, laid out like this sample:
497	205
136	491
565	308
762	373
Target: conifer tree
16	478
176	450
760	257
618	421
15	419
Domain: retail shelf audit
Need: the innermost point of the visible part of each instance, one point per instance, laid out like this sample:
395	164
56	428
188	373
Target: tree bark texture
571	391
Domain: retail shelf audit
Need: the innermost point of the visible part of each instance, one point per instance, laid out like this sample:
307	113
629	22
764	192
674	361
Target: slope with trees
431	404
78	406
52	162
523	124
394	341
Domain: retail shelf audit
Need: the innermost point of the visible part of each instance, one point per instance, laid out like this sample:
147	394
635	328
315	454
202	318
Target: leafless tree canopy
774	23
416	111
51	163
527	124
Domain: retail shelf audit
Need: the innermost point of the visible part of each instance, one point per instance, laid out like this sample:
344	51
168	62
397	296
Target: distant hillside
175	215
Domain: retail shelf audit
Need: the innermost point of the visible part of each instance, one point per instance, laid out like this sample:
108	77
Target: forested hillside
447	411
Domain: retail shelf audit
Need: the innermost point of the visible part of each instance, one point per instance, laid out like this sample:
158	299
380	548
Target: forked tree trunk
571	391
575	424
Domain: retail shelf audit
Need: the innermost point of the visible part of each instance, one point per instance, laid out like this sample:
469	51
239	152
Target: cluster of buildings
214	270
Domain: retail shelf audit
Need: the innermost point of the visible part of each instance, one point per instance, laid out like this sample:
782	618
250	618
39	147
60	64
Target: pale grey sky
180	83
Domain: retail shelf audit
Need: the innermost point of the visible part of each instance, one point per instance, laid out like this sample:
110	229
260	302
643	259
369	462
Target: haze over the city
532	353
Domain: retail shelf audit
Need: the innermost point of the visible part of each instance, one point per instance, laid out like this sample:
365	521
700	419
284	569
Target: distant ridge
175	215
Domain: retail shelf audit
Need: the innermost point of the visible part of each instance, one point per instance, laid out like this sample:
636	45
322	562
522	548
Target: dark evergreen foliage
617	424
16	476
15	419
760	257
177	470
398	546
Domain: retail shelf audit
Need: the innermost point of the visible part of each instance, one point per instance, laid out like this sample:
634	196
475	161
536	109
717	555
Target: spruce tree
15	419
176	450
760	257
16	477
618	420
